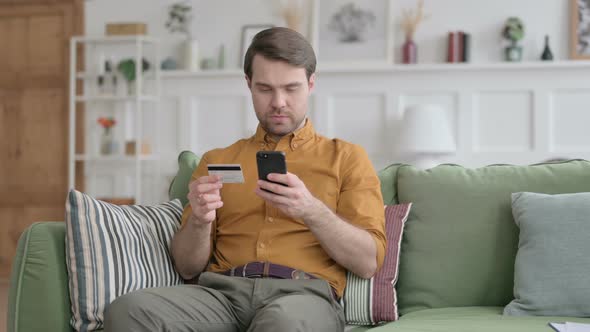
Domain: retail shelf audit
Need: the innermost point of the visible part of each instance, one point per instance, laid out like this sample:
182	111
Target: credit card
230	173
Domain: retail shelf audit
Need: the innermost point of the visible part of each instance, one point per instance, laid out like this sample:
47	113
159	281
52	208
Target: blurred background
470	82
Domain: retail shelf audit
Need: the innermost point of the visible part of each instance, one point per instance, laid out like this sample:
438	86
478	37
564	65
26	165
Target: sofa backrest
187	162
460	240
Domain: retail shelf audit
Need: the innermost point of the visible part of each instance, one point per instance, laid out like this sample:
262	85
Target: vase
547	55
107	142
191	55
131	88
513	53
410	52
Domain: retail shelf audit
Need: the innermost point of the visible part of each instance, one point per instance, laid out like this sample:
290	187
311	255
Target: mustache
279	111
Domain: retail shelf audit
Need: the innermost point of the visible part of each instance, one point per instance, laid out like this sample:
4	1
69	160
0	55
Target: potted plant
179	21
107	142
513	31
127	68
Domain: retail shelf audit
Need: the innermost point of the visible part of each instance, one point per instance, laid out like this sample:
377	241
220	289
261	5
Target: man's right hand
204	198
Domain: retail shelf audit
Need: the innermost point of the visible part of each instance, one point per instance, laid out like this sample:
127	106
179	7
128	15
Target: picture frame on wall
580	29
355	32
248	33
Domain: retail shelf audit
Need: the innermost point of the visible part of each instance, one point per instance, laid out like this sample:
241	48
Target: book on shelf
458	47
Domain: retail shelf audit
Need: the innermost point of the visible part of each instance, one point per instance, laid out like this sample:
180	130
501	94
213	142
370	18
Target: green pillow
187	162
553	262
460	240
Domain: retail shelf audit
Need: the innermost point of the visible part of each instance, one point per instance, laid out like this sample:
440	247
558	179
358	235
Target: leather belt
267	270
270	270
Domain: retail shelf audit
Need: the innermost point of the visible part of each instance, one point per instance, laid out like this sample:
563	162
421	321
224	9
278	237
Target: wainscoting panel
360	119
503	121
570	115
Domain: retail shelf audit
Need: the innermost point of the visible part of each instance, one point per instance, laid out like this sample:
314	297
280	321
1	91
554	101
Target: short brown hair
282	44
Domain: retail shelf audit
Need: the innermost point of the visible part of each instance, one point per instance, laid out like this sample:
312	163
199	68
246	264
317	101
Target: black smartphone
270	162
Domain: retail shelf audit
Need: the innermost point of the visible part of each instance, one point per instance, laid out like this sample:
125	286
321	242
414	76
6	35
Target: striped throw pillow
112	250
372	301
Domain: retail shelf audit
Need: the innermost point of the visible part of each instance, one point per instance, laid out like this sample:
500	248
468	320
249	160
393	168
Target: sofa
457	257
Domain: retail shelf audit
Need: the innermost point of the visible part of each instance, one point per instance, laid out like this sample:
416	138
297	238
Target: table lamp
425	135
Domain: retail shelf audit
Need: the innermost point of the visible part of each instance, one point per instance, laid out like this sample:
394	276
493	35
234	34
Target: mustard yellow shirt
248	229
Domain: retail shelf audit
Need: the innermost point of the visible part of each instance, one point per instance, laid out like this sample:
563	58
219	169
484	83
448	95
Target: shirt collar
296	138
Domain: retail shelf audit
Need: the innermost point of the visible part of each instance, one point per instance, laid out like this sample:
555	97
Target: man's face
279	92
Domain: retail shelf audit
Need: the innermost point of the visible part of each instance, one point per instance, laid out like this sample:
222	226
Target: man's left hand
293	198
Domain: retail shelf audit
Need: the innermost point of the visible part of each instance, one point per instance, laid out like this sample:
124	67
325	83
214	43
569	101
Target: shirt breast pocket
326	190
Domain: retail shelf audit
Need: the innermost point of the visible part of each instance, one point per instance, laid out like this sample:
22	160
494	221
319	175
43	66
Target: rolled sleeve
360	201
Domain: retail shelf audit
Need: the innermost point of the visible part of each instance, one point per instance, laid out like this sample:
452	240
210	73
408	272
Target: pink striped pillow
372	301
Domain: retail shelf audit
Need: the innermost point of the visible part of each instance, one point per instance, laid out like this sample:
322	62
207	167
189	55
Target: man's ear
248	81
311	83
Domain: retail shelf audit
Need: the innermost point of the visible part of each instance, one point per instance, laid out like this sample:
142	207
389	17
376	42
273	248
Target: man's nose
278	100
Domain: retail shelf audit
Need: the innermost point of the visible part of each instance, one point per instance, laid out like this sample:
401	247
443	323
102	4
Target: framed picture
580	29
248	33
354	32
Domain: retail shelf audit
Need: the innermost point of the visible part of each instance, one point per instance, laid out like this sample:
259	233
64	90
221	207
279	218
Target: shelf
115	158
202	73
459	67
363	68
93	76
114	39
115	98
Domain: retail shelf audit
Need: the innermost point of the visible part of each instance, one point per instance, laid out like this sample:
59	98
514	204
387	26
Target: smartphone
270	162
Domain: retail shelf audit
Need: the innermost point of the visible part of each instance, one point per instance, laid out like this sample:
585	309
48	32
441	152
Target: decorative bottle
547	54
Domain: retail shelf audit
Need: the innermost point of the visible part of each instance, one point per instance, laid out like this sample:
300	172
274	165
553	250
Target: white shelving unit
136	47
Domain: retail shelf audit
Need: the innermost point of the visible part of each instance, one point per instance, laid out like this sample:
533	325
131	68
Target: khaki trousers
224	303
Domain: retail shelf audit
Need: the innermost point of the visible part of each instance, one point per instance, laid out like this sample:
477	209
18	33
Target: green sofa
457	253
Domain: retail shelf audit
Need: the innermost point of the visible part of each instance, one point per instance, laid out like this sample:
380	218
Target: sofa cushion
552	262
388	179
470	319
38	298
187	162
372	301
460	239
112	250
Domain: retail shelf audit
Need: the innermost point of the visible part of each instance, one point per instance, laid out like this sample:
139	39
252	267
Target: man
275	254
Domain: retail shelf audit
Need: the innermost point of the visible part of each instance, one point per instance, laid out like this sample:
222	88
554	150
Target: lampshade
426	129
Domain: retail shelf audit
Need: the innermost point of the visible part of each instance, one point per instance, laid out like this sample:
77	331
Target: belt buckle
299	274
244	270
265	269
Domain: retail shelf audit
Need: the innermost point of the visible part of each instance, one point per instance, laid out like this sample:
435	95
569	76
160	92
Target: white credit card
230	173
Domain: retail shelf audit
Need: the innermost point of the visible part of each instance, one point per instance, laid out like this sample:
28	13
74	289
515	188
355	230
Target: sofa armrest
39	299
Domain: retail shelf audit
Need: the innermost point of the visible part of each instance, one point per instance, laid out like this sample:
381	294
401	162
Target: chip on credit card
230	173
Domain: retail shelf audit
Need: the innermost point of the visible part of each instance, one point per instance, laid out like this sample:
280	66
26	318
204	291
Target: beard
283	127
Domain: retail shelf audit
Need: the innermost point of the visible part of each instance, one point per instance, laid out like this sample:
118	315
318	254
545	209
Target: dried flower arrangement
411	19
292	11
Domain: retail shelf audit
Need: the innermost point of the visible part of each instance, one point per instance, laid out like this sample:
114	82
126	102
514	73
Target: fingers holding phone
204	198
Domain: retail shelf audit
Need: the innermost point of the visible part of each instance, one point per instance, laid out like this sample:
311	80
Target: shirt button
294	145
271	219
262	245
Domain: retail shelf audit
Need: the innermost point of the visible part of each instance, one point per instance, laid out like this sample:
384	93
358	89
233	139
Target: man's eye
292	88
265	89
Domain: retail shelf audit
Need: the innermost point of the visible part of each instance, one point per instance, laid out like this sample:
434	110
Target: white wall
219	22
546	103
